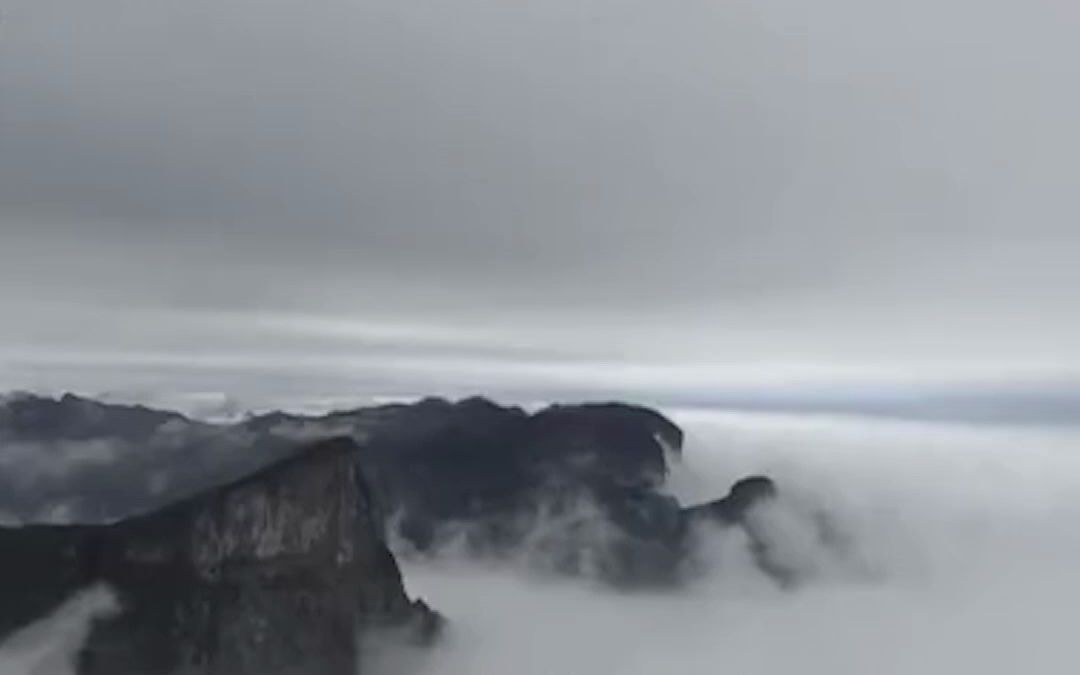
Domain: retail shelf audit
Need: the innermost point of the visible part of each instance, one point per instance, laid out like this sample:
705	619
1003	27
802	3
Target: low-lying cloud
51	646
961	557
956	553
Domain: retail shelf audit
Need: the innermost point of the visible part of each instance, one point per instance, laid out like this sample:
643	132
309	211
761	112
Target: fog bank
963	561
962	558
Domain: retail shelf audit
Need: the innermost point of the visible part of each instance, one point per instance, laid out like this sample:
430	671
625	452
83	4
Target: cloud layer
435	193
962	560
963	538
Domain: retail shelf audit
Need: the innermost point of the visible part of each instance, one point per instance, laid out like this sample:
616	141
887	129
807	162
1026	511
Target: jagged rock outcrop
581	484
497	468
273	574
733	508
649	538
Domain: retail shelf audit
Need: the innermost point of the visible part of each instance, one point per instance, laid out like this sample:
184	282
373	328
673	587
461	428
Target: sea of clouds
959	551
963	557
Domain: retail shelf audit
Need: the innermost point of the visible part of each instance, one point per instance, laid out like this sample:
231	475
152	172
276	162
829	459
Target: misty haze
368	337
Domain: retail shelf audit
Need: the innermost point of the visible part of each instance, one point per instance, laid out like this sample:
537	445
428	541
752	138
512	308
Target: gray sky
682	200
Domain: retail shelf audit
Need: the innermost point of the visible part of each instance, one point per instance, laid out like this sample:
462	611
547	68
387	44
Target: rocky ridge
273	574
580	487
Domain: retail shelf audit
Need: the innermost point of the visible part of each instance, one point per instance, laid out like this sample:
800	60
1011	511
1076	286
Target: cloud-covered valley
960	558
963	560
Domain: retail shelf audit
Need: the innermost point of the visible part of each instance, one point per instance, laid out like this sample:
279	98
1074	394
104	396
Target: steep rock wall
271	575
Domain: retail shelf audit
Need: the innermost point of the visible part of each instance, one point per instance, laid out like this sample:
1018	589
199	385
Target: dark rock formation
433	458
271	575
732	509
652	538
496	468
29	417
588	476
579	485
609	443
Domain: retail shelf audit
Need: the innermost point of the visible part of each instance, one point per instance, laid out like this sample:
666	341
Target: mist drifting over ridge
963	559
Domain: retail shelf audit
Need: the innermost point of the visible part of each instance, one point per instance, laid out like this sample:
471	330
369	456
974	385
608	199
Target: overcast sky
667	199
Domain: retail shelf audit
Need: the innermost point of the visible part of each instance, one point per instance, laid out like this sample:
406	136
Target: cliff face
579	486
494	468
271	575
587	478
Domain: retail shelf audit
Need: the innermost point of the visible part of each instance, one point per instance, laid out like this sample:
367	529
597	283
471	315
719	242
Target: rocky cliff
273	574
579	487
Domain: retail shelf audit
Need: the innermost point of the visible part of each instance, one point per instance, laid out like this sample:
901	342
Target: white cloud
964	539
51	645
